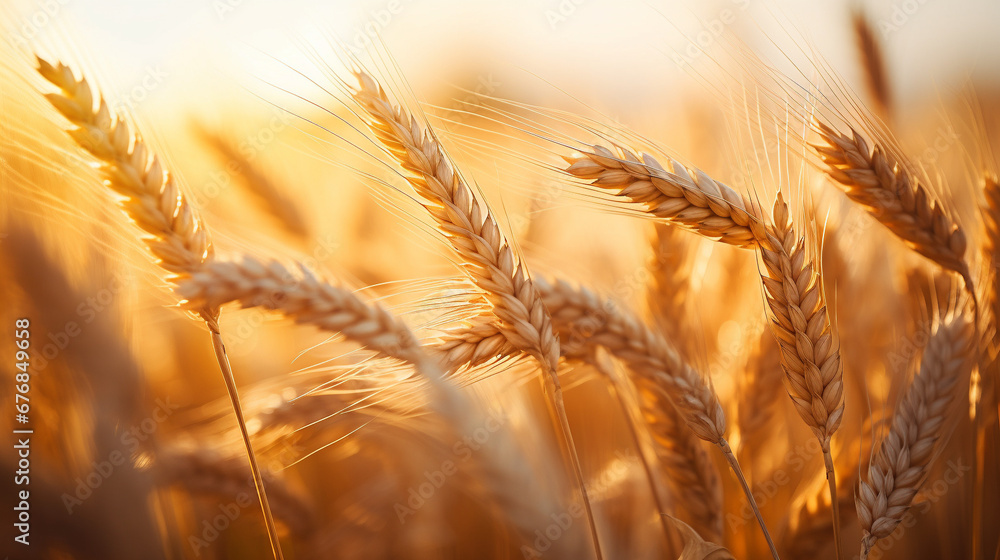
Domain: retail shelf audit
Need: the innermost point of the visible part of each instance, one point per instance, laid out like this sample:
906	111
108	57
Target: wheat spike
904	456
888	191
799	320
486	255
872	62
690	473
466	221
686	197
176	235
309	300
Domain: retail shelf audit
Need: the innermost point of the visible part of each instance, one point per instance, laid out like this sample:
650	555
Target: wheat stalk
151	198
991	255
486	255
686	197
919	421
810	355
876	180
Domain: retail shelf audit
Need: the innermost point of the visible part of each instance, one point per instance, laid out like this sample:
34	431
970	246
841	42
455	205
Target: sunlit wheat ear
810	355
584	319
919	421
308	300
465	220
810	352
176	235
686	197
876	180
485	254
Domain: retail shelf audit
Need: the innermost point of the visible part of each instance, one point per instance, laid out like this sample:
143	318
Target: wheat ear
152	199
870	53
810	354
584	319
474	234
920	419
308	300
885	187
689	470
686	197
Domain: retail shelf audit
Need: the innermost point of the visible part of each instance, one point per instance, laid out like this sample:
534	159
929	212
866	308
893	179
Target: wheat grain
686	197
919	421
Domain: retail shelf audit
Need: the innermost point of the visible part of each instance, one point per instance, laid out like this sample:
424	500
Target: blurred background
234	97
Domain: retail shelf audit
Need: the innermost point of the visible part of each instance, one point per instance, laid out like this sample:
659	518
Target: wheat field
670	281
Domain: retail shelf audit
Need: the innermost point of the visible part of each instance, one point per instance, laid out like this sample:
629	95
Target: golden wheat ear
174	232
487	256
918	423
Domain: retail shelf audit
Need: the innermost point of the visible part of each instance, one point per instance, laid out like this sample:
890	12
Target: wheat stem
735	464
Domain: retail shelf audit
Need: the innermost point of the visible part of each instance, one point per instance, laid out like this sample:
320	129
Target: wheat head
176	235
468	224
686	197
884	186
919	421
